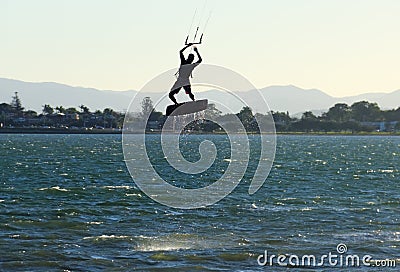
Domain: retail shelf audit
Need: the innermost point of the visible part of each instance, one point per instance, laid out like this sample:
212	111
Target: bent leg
188	90
172	93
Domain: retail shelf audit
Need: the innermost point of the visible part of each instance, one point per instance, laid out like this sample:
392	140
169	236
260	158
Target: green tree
16	104
391	115
308	122
282	120
365	111
109	111
308	115
340	112
265	122
6	108
61	109
281	117
212	112
84	109
147	106
47	109
247	118
30	114
71	111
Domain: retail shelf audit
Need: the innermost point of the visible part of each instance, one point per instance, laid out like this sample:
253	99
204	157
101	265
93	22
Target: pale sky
343	47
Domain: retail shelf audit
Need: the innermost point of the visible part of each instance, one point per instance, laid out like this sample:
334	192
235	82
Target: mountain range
289	98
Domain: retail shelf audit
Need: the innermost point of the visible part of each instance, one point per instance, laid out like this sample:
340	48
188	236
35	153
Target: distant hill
35	95
280	98
293	99
384	100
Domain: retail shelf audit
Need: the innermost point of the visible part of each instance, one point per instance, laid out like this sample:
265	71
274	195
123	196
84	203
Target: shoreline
57	131
117	131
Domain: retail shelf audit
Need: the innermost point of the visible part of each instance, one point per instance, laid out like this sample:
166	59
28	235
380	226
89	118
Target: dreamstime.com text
340	258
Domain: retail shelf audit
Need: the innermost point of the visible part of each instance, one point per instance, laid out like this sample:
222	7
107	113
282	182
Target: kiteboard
187	107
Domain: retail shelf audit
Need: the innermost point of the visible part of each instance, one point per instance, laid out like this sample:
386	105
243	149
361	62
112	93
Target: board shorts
179	83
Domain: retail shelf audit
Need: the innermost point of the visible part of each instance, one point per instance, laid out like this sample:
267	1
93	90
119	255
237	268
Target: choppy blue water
67	202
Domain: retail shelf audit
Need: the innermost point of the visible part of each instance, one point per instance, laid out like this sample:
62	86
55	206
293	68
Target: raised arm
183	49
181	53
198	55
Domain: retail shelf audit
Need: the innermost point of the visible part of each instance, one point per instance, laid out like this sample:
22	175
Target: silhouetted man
185	70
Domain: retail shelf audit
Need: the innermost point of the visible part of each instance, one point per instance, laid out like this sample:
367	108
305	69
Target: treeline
14	115
360	116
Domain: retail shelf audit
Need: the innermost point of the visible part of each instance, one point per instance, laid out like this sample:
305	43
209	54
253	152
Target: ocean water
67	202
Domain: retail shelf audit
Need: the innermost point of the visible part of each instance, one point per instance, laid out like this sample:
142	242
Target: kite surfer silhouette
184	72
